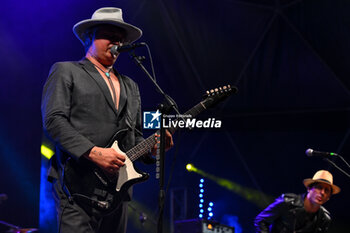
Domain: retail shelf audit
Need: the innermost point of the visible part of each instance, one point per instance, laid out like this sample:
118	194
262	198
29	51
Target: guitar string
140	149
148	143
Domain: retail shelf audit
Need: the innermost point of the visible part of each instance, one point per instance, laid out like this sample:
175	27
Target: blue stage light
201	198
211	203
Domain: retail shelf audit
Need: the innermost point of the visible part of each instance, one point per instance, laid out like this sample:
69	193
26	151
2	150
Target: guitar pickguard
127	172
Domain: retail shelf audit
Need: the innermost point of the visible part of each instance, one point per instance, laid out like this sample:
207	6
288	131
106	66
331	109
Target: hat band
327	181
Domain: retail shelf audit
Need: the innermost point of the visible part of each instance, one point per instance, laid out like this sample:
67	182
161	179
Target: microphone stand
169	104
336	166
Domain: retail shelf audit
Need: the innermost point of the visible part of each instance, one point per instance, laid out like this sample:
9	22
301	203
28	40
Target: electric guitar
91	180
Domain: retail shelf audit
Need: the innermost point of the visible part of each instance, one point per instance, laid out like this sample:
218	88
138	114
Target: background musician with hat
300	213
84	104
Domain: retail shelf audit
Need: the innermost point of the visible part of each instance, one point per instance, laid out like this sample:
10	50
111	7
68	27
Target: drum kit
13	228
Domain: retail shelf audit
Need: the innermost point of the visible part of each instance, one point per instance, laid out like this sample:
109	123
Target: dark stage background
289	59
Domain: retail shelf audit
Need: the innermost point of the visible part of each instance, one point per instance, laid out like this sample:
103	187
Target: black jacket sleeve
55	107
264	220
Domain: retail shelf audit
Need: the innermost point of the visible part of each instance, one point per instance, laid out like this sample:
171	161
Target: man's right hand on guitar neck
108	159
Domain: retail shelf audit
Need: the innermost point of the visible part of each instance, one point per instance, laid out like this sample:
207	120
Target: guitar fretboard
146	145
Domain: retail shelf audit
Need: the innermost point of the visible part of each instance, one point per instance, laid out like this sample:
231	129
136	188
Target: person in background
300	213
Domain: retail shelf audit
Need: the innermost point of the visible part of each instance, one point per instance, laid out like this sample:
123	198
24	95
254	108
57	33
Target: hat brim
132	33
335	188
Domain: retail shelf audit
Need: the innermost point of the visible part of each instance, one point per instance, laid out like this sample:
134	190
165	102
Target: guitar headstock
217	95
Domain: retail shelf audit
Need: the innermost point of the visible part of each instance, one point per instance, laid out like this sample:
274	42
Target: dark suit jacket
78	111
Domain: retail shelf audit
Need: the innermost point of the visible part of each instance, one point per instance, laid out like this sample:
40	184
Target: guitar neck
146	145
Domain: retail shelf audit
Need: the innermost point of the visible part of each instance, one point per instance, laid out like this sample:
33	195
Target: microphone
312	153
126	48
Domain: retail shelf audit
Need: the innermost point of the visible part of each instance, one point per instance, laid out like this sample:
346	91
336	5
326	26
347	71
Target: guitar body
90	185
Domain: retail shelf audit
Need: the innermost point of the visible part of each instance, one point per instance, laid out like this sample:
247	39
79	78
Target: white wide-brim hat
322	176
111	16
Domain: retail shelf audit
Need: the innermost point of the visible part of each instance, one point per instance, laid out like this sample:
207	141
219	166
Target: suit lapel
93	73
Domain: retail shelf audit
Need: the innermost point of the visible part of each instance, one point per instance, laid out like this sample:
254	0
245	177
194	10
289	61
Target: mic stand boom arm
336	166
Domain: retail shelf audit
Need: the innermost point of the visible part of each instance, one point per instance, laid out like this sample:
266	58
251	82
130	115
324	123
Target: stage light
210	210
189	167
46	151
200	215
255	196
201	197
